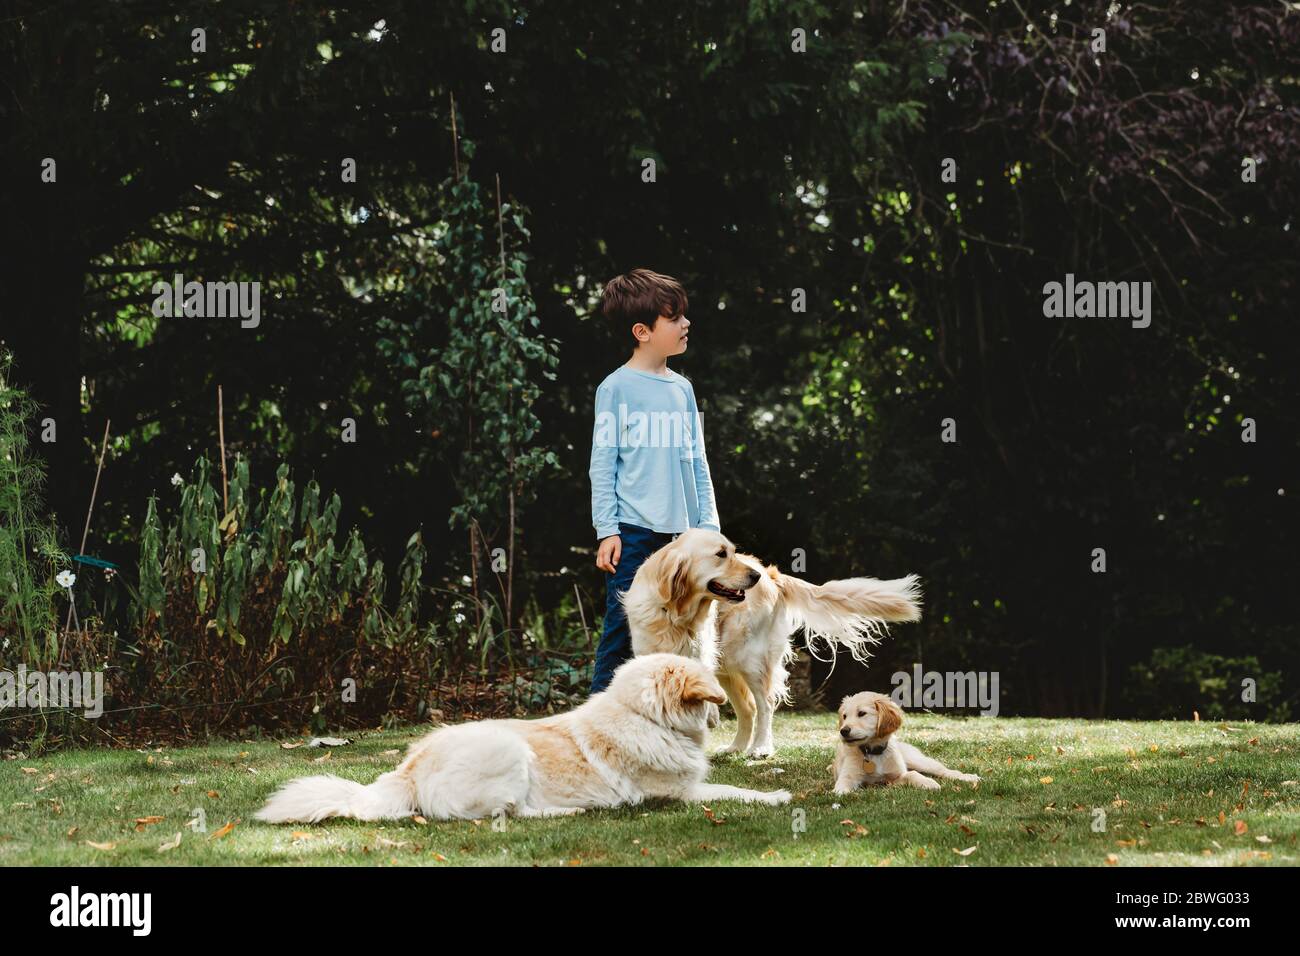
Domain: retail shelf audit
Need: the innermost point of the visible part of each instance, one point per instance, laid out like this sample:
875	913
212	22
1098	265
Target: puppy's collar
873	751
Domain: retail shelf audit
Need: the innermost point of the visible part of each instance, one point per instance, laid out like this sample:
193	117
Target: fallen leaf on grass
142	822
171	844
100	846
224	831
213	795
713	818
291	745
322	759
30	770
966	852
420	820
1239	827
1263	839
1111	859
328	742
1044	780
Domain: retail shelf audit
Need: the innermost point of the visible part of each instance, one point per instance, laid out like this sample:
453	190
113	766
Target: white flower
6	644
177	480
66	579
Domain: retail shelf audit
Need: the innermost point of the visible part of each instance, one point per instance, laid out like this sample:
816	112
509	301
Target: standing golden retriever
643	737
698	596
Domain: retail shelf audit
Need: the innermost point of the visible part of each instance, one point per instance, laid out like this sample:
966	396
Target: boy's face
668	337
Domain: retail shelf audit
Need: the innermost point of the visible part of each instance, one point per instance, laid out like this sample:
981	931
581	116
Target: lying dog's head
868	716
696	565
669	689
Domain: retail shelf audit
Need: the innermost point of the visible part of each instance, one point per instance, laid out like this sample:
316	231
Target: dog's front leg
723	791
848	777
913	779
761	746
740	699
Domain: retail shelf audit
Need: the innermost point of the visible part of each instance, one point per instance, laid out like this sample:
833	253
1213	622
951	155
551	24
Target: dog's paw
842	790
712	716
777	797
928	783
969	777
762	751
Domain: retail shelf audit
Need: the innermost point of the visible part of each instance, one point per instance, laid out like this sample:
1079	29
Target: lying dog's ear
697	689
889	716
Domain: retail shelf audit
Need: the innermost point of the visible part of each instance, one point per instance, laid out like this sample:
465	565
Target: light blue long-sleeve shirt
648	466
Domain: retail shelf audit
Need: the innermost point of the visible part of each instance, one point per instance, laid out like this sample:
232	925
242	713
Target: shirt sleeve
604	459
700	462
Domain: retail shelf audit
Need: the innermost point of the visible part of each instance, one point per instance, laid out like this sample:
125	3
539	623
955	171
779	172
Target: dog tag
868	765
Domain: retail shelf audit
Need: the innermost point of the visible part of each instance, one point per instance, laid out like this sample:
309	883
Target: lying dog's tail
850	612
312	799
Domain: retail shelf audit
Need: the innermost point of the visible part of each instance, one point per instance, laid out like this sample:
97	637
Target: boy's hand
608	553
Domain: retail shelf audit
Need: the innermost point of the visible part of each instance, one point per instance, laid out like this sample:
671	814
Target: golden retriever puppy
642	737
697	596
868	754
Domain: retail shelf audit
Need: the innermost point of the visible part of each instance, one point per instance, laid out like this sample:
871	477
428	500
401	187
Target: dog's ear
698	688
677	575
889	716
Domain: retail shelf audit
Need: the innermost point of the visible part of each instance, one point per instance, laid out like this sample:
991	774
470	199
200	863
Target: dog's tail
312	799
851	612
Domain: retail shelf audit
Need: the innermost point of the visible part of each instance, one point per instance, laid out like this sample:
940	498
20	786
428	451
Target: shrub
1179	680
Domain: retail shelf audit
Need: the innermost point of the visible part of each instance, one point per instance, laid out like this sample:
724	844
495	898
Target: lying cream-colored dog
869	755
643	737
671	609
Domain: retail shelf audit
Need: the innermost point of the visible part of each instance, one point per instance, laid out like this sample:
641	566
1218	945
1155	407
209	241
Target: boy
649	477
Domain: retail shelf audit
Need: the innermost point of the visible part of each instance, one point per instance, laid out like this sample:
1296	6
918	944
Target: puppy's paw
777	797
762	751
928	783
969	777
843	789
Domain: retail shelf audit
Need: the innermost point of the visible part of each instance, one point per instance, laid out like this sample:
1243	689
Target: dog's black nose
753	578
844	732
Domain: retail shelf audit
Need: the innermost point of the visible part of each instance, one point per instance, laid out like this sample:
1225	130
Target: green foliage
477	388
277	556
1179	680
29	553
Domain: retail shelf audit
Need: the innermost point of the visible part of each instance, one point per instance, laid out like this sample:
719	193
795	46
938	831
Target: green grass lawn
1184	794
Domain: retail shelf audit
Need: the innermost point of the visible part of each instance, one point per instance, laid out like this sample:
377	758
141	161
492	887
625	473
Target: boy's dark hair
642	296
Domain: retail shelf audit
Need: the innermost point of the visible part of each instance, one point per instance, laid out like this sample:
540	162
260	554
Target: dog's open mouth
726	592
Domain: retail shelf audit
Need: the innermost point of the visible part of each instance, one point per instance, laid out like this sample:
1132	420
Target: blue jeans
616	641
